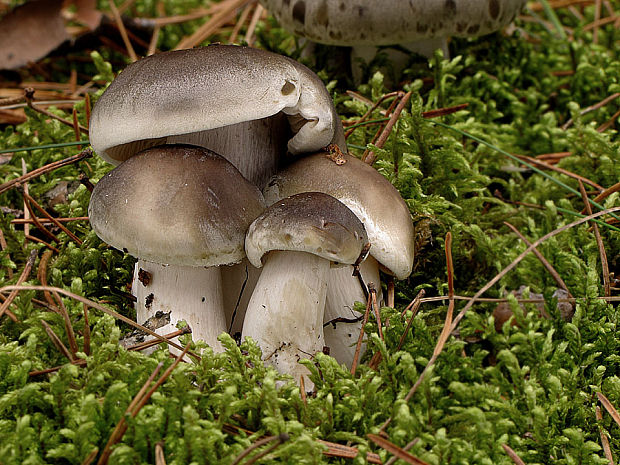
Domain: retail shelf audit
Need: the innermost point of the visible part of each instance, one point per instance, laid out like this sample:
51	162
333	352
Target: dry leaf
30	32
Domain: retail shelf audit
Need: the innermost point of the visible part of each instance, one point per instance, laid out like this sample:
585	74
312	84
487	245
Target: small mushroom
183	211
248	105
295	240
381	209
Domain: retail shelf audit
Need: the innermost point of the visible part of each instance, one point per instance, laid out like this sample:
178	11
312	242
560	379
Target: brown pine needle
227	12
152	342
513	455
57	342
599	243
521	256
556	276
79	362
160	458
606	193
394	449
249	35
86	153
90	458
4	246
604	440
47	221
409	445
243	17
22	277
121	28
414	306
570	174
594	107
64	229
86	331
248	450
358	347
609	407
99	307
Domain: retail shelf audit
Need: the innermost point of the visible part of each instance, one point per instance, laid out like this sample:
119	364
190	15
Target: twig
99	307
556	276
29	95
604	440
370	159
394	449
513	455
121	28
22	277
358	347
86	153
599	243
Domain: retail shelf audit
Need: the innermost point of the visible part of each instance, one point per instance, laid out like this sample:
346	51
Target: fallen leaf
30	31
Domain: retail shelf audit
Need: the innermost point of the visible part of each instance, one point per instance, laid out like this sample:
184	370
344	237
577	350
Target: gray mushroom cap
186	91
177	205
310	222
373	22
374	200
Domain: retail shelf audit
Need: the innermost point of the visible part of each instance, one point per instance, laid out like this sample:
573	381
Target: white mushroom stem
343	291
193	294
253	147
238	282
285	312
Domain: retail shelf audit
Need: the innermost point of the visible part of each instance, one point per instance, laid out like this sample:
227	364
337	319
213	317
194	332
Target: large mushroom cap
373	22
187	91
310	222
368	194
175	204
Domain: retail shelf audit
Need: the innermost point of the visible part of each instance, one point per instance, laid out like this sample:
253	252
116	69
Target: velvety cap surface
366	192
387	22
176	204
185	91
311	222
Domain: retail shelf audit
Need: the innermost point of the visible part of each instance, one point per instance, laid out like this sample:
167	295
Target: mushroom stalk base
285	312
343	291
193	294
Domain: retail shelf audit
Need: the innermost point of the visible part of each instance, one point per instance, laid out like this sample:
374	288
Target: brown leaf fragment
17	116
30	31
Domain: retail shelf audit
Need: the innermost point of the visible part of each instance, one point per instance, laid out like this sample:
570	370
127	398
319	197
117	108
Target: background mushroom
296	239
420	26
381	209
183	211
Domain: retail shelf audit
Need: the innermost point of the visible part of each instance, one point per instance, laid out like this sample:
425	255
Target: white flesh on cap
343	291
189	293
285	312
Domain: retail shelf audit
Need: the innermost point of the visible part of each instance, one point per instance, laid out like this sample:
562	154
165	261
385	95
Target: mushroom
295	240
240	102
183	211
420	26
233	100
381	209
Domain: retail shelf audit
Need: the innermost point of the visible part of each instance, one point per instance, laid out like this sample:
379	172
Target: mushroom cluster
197	134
